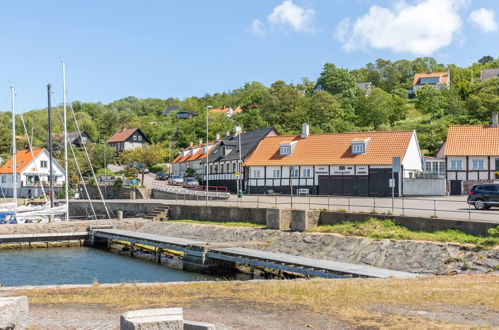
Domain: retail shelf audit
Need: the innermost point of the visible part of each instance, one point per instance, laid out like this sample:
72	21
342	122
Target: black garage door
374	184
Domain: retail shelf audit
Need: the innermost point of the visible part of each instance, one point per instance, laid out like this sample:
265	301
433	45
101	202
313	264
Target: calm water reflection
83	266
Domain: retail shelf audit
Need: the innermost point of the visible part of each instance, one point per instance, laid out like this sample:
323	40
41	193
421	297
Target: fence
447	208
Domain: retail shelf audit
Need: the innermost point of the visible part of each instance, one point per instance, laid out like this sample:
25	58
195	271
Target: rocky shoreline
404	255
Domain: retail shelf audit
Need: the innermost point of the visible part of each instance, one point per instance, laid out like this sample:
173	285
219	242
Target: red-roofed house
32	172
357	163
193	157
127	139
435	79
472	155
228	111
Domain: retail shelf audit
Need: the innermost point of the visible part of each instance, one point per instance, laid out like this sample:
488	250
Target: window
488	188
295	173
358	148
285	150
306	173
134	137
276	173
256	173
497	164
43	164
435	167
4	179
139	137
477	164
428	167
456	164
211	169
430	80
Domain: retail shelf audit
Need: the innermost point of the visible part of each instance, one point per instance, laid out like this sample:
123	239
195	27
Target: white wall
413	159
424	187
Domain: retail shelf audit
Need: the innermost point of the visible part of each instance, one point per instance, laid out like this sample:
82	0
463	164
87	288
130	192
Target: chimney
237	130
217	137
191	144
305	132
495	122
227	133
200	141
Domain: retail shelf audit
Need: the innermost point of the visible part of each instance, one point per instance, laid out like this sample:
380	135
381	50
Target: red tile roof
226	110
333	149
444	77
472	141
122	135
23	159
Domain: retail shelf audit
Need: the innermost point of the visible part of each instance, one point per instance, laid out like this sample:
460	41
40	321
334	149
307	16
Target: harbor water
83	266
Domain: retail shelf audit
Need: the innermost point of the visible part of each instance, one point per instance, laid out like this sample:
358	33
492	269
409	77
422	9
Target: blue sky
115	49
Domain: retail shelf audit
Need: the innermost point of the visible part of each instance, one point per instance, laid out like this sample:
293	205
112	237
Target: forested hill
337	106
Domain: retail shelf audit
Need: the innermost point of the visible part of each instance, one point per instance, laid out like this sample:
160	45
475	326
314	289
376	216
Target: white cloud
484	19
257	28
420	29
287	13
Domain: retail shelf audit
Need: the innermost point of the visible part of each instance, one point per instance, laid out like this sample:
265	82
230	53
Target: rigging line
79	170
88	157
31	148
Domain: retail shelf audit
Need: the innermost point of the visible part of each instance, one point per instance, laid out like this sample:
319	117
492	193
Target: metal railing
446	208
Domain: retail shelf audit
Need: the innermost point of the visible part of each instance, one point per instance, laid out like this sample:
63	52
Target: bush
493	232
91	181
105	171
118	183
156	168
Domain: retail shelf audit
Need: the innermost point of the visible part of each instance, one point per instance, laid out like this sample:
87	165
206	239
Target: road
444	207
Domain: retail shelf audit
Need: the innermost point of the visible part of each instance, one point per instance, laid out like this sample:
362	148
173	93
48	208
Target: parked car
190	182
175	180
161	176
484	196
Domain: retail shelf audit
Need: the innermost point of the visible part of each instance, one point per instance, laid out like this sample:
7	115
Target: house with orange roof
355	163
193	157
228	111
435	79
32	172
472	155
127	139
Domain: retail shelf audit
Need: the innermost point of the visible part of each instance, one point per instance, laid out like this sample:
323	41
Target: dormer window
359	146
225	151
285	150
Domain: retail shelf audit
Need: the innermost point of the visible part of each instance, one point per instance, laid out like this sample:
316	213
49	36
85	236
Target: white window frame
456	164
477	164
256	173
285	150
276	173
307	173
358	148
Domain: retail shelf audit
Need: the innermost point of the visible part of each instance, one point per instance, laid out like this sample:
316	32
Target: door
456	187
379	182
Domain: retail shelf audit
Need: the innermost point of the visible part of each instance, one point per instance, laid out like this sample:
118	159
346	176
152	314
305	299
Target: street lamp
207	154
239	183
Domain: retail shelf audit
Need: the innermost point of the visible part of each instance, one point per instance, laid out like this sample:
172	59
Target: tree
486	59
335	80
373	110
429	100
146	156
325	114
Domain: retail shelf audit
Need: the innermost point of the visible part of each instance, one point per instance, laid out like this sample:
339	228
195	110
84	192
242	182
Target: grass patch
389	229
220	223
357	302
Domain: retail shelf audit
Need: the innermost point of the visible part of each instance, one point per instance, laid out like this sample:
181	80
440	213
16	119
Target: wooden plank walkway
304	265
49	237
280	261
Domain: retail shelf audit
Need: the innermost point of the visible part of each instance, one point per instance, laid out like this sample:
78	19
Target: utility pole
51	173
207	154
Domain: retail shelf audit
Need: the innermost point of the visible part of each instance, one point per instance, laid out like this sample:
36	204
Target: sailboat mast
66	186
51	173
14	150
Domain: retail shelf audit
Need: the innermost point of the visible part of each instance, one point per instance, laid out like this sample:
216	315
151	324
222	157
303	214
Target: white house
472	155
193	157
32	173
435	79
357	163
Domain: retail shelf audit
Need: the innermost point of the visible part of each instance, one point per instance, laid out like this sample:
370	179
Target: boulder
153	319
13	313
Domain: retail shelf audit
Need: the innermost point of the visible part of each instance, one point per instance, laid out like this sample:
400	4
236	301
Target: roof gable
23	159
125	134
